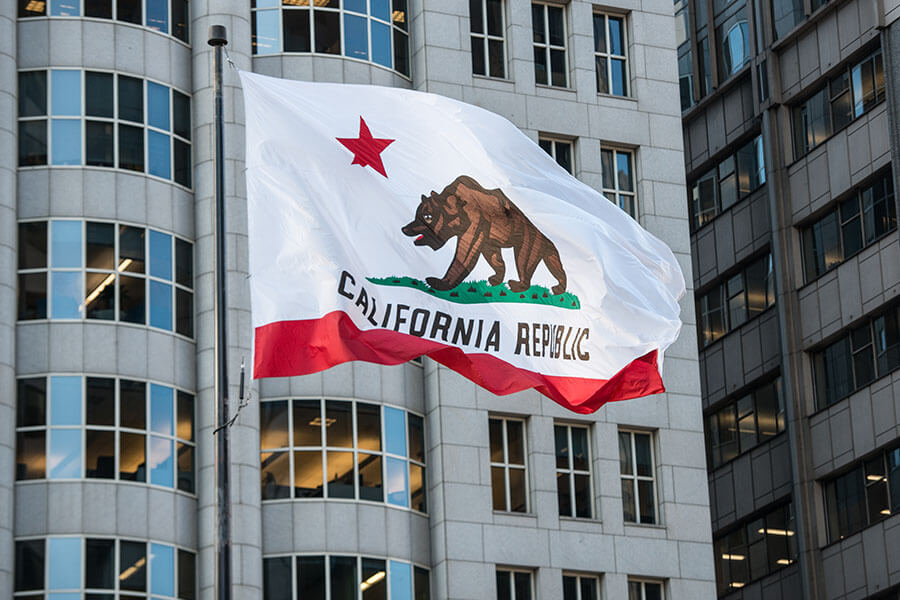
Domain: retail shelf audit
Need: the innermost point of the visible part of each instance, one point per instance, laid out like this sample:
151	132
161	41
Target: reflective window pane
132	457
100	252
66	295
307	423
356	38
373	583
159	154
32	143
66	141
31	457
64	457
275	471
643	454
184	263
340	474
157	15
64	554
381	44
100	401
381	9
33	245
395	430
65	400
161	305
343	577
161	409
417	486
273	424
98	8
416	438
161	462
65	93
186	575
370	477
401	52
185	460
32	300
185	425
295	28
131	248
339	424
397	484
517	490
308	474
132	566
162	569
157	104
182	159
515	443
368	424
160	255
401	581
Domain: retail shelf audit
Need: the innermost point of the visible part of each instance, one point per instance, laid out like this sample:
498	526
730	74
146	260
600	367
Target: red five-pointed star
366	149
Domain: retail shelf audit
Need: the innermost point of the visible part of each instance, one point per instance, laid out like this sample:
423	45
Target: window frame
712	428
652	478
608	56
548	47
554	142
571	471
507	466
395	27
799	111
579	577
116	122
701	217
485	38
117	429
326	556
720	288
324	449
511	572
622	198
117	568
48	270
643	582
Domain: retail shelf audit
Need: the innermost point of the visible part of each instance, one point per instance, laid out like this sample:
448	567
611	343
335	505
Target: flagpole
218	39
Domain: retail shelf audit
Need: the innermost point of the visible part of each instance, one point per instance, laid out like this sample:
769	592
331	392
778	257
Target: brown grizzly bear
485	221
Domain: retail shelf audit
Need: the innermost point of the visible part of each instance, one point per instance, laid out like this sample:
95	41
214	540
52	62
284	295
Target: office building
790	125
363	481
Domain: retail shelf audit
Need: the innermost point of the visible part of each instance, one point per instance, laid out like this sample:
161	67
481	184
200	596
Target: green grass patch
480	292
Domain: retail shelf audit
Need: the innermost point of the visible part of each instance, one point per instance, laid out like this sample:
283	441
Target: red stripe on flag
289	348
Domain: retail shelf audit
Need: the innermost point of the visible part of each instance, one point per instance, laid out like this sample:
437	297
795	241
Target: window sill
645	526
601	95
503	517
504	81
555	88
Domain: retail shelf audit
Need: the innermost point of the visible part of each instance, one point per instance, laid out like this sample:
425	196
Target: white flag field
387	224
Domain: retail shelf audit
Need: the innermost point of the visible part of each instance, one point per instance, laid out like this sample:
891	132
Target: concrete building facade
790	127
362	481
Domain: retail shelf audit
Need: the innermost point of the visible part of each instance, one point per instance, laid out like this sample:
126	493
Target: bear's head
439	217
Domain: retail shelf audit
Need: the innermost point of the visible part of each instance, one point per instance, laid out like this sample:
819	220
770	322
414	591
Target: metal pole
218	39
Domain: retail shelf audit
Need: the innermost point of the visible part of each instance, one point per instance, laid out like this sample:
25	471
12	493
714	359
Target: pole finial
218	36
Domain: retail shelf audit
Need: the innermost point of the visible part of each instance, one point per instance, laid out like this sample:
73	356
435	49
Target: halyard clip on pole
218	39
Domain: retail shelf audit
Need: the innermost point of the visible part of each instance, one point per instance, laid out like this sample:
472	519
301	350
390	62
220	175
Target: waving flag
387	224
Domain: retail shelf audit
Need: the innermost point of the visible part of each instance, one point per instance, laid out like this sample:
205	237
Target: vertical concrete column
8	159
245	496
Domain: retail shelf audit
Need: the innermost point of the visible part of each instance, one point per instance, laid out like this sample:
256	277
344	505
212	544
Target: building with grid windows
363	482
791	141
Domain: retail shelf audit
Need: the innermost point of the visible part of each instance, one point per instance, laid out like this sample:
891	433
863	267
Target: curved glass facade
329	448
105	271
70	117
71	568
74	427
376	31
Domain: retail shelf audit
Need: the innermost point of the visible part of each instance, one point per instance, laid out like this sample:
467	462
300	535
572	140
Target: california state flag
387	224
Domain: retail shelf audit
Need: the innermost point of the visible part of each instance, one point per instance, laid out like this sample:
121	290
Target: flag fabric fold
386	224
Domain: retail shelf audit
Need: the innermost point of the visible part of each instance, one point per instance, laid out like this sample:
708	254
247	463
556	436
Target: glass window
638	477
363	458
580	587
736	176
487	37
549	41
786	14
610	60
618	179
513	585
508	477
560	150
573	471
644	590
